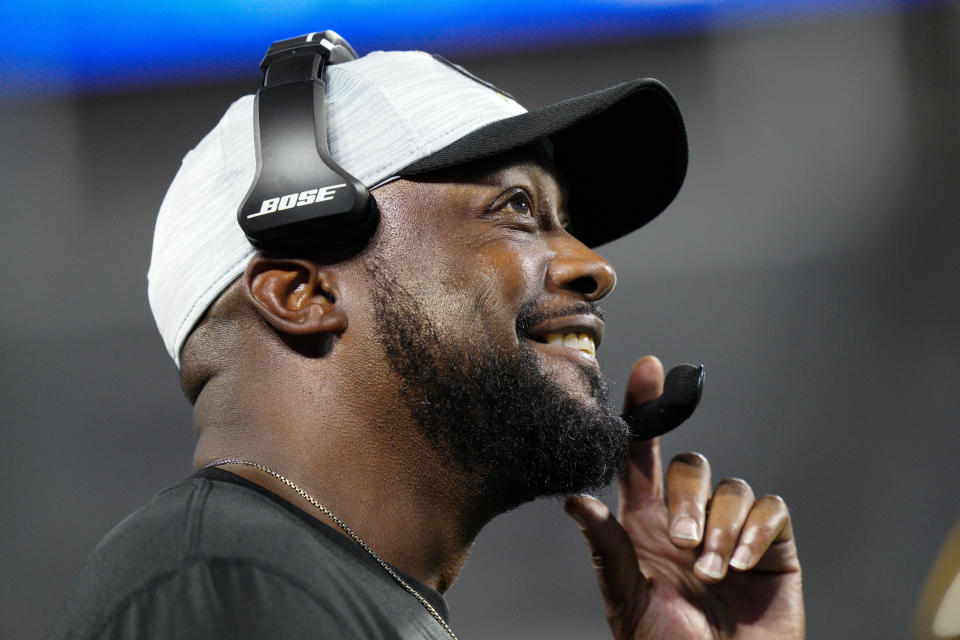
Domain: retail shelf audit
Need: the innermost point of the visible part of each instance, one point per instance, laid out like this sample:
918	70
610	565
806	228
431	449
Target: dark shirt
217	556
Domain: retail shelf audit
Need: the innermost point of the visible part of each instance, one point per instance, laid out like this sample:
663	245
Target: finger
766	541
731	502
642	483
618	572
688	489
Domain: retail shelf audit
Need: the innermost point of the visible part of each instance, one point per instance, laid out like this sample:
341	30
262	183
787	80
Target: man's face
485	307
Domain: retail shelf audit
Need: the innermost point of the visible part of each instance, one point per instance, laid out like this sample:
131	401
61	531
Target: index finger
642	482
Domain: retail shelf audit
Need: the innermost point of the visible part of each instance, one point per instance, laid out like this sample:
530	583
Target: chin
584	397
578	375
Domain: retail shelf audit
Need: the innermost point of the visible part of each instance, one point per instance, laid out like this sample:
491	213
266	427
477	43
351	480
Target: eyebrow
536	173
500	173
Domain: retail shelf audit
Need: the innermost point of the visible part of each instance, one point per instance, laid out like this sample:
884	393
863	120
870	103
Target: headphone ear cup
300	196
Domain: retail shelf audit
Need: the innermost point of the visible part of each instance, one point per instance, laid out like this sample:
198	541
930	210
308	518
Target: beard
494	415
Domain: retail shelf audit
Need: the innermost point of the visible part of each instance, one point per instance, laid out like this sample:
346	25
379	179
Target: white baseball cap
404	113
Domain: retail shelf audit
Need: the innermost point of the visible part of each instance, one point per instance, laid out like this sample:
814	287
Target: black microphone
682	389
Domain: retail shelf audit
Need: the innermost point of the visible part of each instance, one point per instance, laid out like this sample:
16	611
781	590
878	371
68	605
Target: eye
519	202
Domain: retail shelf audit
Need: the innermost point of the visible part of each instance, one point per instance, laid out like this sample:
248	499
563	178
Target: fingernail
685	528
741	558
711	564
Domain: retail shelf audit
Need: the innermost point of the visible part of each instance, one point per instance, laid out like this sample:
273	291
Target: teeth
579	341
586	344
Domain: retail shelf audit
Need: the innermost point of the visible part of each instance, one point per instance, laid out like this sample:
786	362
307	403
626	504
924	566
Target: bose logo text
301	199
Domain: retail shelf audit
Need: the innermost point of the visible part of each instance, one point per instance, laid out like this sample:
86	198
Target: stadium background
810	262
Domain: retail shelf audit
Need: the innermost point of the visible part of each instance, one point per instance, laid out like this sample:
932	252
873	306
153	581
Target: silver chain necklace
343	525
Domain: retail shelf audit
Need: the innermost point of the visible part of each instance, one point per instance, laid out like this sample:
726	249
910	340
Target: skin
287	370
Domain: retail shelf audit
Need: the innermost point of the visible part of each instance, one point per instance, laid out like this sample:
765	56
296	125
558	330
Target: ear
294	296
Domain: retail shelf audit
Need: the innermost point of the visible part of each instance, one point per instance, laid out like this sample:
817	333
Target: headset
301	199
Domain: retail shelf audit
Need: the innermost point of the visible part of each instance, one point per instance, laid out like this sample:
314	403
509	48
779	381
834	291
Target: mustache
530	316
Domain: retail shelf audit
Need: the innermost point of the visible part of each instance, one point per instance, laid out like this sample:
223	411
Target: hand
693	565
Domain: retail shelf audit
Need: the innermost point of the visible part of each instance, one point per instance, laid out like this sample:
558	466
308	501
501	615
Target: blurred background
810	262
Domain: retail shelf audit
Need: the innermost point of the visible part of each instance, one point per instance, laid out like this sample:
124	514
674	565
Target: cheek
501	283
477	290
516	277
467	273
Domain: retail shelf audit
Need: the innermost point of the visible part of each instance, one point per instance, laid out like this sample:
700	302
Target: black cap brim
622	153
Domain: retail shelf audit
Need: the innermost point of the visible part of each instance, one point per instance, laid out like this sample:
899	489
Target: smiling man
365	407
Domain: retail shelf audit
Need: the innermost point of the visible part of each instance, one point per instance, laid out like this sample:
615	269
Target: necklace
343	525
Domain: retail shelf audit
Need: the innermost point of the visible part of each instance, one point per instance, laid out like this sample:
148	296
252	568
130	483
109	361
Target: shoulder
210	598
210	552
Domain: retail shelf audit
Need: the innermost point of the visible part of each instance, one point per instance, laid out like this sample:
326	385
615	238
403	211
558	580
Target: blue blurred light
57	46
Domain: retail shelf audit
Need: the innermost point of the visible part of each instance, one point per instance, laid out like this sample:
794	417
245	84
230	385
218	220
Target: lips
581	333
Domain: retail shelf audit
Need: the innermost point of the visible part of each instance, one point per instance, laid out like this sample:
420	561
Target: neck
374	471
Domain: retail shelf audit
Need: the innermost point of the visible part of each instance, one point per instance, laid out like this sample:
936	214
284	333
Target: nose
577	268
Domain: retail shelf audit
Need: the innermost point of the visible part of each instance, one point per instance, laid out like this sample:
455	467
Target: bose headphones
301	198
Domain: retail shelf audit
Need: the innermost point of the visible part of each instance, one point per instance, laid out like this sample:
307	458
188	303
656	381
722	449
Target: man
364	408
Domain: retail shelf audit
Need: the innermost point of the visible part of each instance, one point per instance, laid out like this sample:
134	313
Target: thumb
623	586
645	382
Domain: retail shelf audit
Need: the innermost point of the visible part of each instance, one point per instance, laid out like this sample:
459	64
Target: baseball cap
621	151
